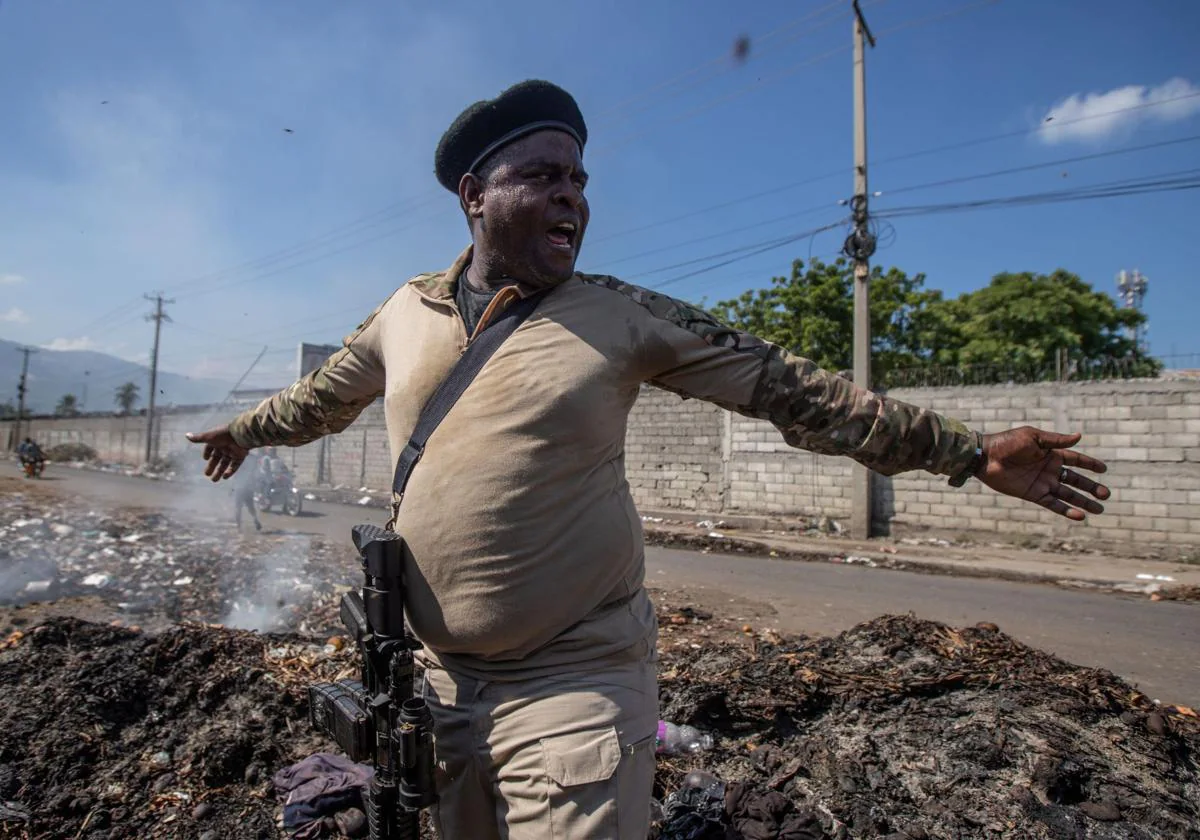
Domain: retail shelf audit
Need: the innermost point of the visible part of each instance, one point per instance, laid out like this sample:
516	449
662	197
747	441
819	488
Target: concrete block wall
675	452
1147	431
691	456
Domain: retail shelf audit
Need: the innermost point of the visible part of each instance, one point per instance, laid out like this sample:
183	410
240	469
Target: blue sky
142	147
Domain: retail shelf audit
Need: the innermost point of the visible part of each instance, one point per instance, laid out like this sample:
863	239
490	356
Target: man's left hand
1040	467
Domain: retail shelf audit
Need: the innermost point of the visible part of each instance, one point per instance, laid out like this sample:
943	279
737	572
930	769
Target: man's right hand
221	451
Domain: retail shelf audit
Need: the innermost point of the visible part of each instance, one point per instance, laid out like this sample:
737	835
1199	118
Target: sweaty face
534	210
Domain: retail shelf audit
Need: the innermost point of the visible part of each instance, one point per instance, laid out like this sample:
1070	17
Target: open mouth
562	236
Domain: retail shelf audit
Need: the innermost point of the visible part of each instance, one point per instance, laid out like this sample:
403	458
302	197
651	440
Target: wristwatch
971	468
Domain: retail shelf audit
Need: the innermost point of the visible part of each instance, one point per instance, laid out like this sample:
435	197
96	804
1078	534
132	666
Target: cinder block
1182	510
1165	453
1132	453
1178	538
1165	525
1149	510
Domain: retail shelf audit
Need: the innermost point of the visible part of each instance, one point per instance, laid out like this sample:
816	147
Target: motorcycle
279	490
33	467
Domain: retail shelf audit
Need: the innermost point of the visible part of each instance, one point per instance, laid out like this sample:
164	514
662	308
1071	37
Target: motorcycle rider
30	453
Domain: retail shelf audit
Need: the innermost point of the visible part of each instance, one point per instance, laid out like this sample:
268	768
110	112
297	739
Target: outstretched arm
324	402
814	409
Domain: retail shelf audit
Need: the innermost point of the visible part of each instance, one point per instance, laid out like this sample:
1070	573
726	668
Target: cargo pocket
581	781
635	785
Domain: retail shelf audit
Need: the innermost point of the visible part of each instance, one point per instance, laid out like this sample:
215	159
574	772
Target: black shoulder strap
455	383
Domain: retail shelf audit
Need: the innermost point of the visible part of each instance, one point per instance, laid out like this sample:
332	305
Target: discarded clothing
693	814
320	786
769	815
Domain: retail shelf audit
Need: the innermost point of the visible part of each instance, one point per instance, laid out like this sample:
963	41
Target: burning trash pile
901	728
148	565
898	728
115	733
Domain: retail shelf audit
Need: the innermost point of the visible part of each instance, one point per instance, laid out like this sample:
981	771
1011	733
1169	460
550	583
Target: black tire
262	501
293	504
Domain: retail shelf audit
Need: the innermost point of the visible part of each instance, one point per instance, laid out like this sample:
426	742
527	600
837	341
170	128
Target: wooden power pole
21	393
861	246
157	316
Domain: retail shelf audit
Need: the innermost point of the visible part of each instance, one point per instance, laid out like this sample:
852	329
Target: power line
721	60
781	74
753	226
742	253
281	269
1044	165
359	225
834	173
1024	132
1187	179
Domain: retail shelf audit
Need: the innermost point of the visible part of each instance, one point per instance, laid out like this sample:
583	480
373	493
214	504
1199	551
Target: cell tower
1131	289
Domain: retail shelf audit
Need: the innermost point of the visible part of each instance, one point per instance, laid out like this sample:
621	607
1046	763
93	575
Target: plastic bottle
707	782
675	739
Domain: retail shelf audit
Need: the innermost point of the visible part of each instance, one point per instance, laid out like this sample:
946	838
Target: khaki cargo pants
570	756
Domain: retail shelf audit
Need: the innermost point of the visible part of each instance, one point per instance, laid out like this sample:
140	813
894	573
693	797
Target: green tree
126	397
1018	322
811	313
1024	320
68	406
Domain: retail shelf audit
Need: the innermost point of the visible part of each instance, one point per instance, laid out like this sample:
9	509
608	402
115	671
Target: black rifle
377	717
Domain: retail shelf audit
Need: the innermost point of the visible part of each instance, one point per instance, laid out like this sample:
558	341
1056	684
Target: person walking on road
244	486
525	566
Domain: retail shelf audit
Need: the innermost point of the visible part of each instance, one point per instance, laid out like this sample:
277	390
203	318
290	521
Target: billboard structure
312	356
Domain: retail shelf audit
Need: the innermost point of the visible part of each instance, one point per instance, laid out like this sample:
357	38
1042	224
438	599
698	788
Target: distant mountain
53	373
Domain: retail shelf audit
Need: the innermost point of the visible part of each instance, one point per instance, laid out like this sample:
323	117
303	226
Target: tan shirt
526	547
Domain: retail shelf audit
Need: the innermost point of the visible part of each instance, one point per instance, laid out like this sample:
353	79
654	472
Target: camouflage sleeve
325	401
694	355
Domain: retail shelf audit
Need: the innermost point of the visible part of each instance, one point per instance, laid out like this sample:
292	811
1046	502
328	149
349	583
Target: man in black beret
526	575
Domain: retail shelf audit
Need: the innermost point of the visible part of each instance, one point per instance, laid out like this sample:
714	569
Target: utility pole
21	392
860	245
157	316
83	402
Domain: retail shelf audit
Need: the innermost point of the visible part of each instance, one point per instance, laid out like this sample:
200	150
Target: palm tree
126	397
68	406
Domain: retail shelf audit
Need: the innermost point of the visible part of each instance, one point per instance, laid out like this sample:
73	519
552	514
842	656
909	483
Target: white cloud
1095	116
14	316
11	279
82	343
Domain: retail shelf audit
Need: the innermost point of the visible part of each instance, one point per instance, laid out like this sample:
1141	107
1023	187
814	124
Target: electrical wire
281	269
842	171
743	253
717	63
1187	179
1035	166
754	226
359	225
781	74
1024	132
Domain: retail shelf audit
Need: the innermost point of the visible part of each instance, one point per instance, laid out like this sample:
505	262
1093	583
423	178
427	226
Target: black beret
485	127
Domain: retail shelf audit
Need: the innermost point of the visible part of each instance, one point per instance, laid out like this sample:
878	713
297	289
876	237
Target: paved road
1153	644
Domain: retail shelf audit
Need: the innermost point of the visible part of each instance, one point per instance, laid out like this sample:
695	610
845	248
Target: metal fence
1062	370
